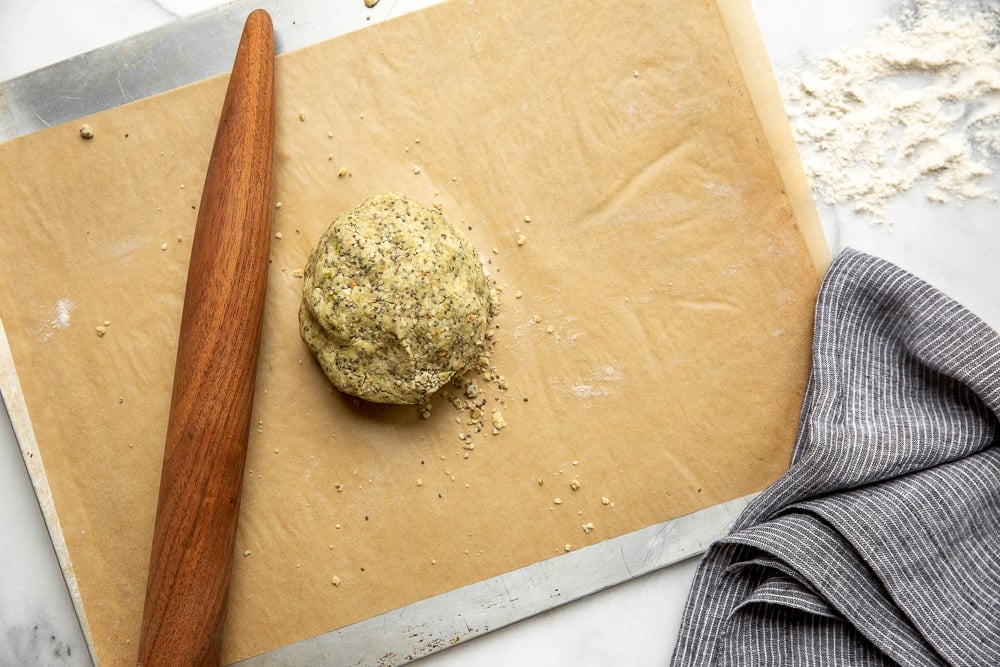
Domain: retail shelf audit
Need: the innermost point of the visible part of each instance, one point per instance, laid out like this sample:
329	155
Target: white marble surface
633	624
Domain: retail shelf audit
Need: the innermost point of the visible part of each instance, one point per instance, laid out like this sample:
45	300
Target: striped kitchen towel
881	544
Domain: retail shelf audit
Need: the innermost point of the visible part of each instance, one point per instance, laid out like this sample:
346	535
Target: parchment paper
662	250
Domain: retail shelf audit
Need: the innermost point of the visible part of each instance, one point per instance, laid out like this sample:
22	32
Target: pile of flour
918	102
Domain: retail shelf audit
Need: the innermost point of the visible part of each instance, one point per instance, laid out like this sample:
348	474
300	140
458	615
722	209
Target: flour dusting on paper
917	103
598	383
63	309
56	319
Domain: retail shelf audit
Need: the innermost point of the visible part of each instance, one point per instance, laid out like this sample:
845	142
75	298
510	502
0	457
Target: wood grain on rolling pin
210	408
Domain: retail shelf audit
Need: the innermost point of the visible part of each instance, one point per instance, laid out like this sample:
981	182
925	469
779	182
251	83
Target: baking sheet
663	250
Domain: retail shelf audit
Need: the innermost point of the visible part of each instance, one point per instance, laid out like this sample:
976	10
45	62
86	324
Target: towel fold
881	544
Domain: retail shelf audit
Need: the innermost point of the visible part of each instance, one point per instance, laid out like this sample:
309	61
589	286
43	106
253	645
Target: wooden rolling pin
210	408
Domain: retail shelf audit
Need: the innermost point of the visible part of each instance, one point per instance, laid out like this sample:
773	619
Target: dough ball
394	302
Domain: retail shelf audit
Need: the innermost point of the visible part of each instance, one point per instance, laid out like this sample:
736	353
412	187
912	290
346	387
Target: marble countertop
951	244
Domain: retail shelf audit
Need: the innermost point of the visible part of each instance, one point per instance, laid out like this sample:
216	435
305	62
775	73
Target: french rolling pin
210	407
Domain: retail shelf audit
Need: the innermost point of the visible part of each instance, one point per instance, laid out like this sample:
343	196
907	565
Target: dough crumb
370	3
498	422
335	580
471	389
86	131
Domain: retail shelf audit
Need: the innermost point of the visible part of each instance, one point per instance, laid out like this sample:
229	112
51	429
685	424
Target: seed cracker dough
395	301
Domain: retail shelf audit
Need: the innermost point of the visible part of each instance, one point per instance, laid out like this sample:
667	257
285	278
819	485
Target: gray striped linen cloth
881	544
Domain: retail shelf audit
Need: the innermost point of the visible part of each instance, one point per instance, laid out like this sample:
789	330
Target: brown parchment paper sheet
662	250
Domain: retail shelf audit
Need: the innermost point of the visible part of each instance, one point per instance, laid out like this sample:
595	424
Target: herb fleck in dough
394	301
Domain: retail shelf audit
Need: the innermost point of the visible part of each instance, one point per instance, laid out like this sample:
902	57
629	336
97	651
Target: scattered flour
918	102
599	383
589	391
55	319
62	312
